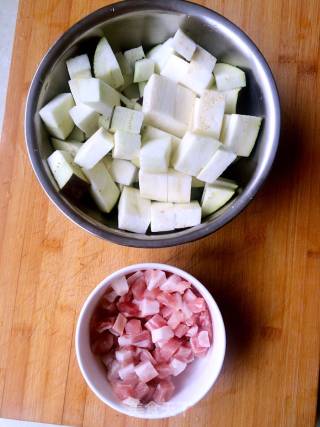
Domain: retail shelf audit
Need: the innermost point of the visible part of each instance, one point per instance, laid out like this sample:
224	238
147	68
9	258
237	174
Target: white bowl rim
218	324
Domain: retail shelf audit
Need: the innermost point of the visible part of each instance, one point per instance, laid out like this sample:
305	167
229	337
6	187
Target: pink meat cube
177	366
144	355
175	284
133	277
127	371
146	371
164	391
192	331
181	330
125	340
171	346
187	312
163	333
170	300
154	278
143	339
149	307
151	294
125	355
113	371
203	339
164	370
189	296
166	311
141	390
119	324
197	305
155	322
157	355
133	327
122	391
138	288
128	309
175	319
120	285
184	354
196	348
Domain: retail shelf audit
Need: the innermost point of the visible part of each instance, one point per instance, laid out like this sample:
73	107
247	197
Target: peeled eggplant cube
179	187
208	114
69	176
184	45
204	59
153	186
97	94
218	163
79	67
214	197
187	214
55	115
143	70
194	152
155	155
122	171
167	105
77	135
85	118
239	133
106	66
134	212
175	69
126	120
94	149
228	77
160	54
149	132
103	190
71	147
126	145
231	99
134	55
162	217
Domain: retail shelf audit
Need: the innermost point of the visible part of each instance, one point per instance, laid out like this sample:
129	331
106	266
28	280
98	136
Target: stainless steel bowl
148	22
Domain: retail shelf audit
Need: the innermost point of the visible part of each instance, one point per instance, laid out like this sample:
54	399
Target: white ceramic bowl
191	385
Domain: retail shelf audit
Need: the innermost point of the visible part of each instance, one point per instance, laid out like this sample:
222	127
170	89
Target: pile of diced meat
146	329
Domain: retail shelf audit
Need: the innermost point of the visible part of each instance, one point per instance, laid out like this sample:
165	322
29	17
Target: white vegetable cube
77	135
228	77
127	120
104	122
94	149
106	66
125	70
239	133
231	99
126	145
208	114
160	54
175	68
122	171
179	187
85	118
194	152
143	70
214	197
204	59
103	189
153	186
74	89
97	94
197	78
183	45
142	85
71	146
162	217
56	116
79	67
150	132
134	212
68	176
187	214
155	155
134	55
218	163
167	105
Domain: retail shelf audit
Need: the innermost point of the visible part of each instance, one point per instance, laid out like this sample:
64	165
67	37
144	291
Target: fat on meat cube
133	327
203	339
175	319
119	324
197	305
124	355
154	278
181	330
133	277
120	286
174	283
122	391
145	371
177	366
163	391
155	322
149	307
164	370
192	331
124	340
141	390
163	333
169	348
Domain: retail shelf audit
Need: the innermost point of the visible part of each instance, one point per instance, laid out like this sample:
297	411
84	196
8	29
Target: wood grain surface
263	268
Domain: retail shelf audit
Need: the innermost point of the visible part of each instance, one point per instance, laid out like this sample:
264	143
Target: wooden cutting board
263	268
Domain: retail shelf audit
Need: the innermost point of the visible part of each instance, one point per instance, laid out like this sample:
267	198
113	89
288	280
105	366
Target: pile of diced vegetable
146	129
146	329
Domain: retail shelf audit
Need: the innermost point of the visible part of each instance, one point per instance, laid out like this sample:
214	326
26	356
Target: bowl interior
191	385
146	23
